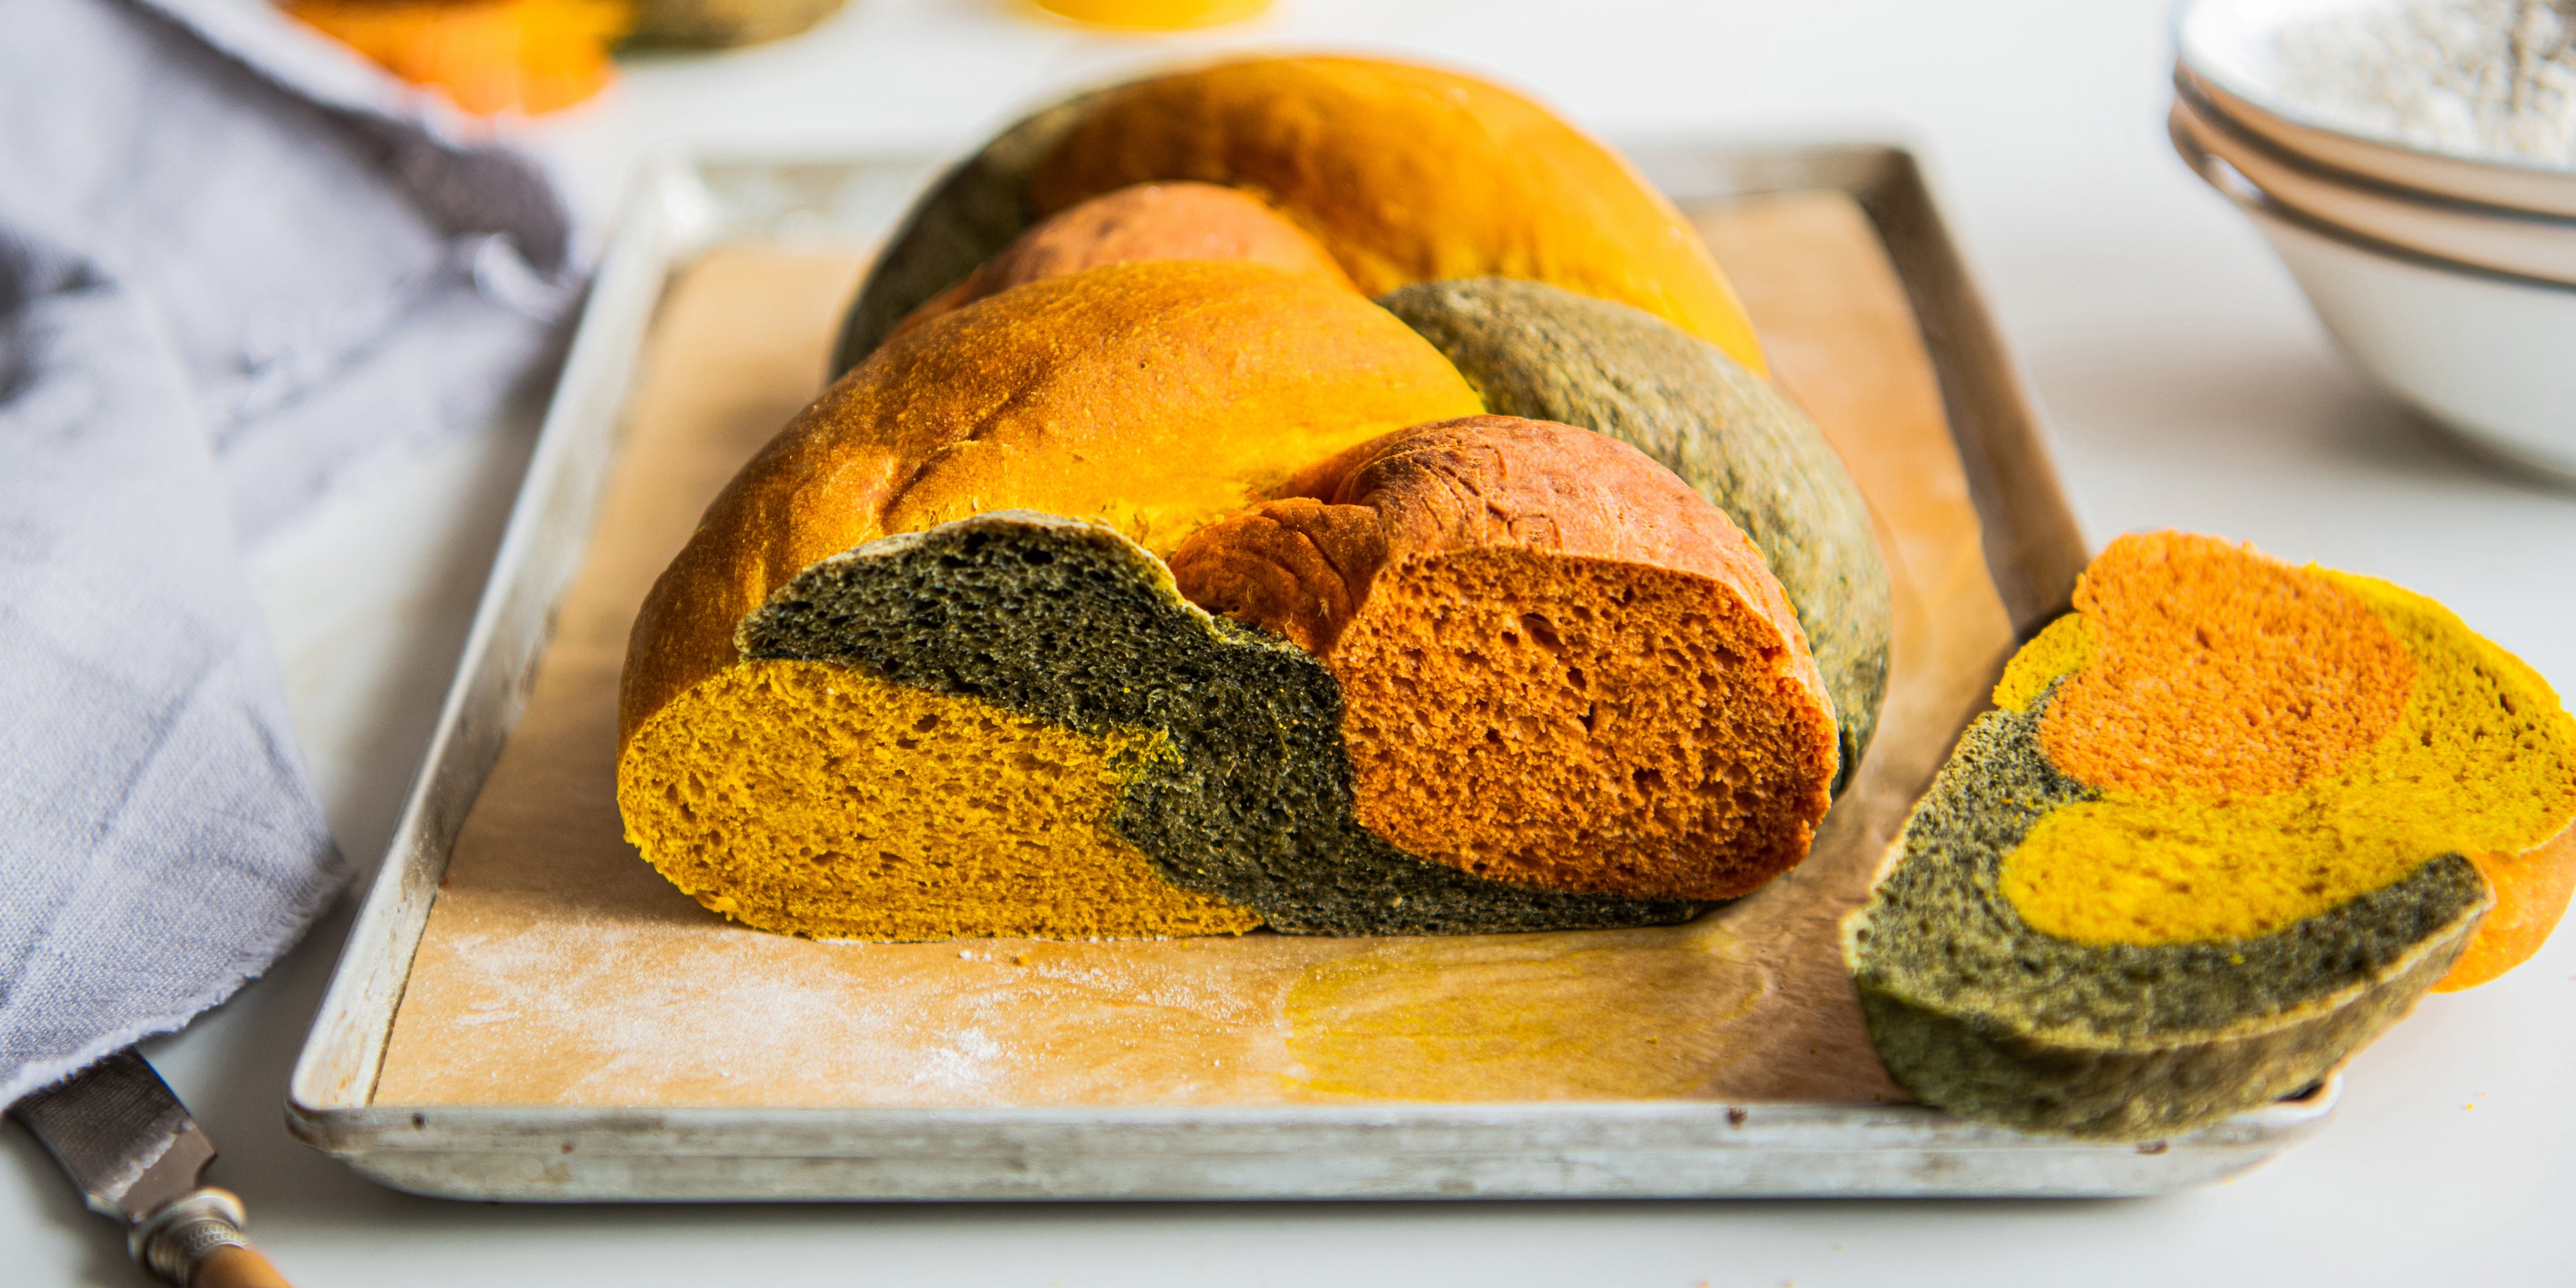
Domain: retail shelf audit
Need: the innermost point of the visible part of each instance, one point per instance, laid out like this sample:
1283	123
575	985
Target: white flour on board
595	1011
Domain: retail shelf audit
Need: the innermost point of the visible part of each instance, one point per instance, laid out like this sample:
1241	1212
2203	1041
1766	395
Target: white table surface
2185	384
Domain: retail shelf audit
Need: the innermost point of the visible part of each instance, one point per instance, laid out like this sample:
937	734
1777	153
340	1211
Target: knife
136	1155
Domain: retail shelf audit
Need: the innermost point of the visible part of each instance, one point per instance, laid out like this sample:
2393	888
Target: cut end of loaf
1188	772
1545	353
1580	723
1558	664
2269	742
803	797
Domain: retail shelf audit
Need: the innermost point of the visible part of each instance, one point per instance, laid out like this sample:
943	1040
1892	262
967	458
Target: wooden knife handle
195	1241
236	1267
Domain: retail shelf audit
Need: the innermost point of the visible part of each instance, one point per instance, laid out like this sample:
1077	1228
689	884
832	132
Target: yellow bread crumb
2060	650
805	798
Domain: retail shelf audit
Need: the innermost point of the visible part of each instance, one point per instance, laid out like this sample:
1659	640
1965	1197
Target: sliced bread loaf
1212	751
2216	839
1565	695
857	674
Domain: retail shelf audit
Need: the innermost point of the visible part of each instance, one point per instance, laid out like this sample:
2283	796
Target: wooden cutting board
558	968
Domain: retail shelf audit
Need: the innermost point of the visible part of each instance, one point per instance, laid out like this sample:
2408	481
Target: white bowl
2490	357
2479	236
2226	64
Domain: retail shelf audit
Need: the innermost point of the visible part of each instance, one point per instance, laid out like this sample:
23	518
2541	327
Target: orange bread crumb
1558	664
2221	676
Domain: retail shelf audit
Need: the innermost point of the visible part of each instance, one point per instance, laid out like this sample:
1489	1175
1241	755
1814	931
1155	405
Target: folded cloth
235	263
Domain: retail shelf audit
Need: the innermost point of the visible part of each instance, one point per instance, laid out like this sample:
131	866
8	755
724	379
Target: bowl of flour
2460	100
2413	163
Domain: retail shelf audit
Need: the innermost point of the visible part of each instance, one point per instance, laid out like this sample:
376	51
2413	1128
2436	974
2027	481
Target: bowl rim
2190	16
2431	176
2205	101
2254	199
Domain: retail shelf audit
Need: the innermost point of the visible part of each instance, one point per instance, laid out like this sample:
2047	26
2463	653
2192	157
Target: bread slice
1404	173
1542	352
2213	842
1558	665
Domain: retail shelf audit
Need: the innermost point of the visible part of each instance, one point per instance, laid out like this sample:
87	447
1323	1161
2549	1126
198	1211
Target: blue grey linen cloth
235	262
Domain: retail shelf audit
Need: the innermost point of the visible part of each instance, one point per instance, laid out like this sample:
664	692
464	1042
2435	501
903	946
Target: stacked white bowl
2447	269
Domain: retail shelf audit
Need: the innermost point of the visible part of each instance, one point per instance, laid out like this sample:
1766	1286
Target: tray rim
2034	550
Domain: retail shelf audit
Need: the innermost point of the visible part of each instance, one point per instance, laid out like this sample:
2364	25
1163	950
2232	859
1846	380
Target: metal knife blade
121	1134
131	1147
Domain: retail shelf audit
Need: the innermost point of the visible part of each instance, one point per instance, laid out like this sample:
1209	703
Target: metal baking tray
1401	1150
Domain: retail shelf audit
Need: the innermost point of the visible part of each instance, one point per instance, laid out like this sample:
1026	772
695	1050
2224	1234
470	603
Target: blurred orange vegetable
489	56
1155	15
725	24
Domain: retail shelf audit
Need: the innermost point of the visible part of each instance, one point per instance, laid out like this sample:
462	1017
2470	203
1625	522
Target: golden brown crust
1458	485
1407	174
1147	221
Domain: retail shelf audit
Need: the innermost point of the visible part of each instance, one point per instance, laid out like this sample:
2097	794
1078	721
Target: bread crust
1404	173
1147	221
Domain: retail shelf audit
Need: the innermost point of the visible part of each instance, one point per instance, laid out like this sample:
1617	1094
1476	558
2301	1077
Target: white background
2184	382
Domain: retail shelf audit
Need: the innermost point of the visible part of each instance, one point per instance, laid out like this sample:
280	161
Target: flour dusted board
558	969
525	1011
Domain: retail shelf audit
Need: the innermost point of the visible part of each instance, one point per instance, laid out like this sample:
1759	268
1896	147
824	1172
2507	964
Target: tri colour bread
1014	722
1149	579
2232	819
